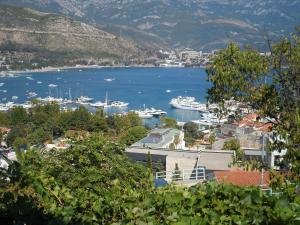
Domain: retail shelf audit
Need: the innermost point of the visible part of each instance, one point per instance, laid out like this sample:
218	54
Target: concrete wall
250	141
188	160
216	160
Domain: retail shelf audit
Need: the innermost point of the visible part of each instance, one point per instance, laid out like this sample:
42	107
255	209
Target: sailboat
114	104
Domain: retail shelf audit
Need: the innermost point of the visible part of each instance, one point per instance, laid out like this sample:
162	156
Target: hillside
46	38
199	24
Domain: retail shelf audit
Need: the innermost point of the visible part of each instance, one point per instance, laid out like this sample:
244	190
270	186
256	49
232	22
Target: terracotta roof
4	129
267	127
250	121
241	178
252	116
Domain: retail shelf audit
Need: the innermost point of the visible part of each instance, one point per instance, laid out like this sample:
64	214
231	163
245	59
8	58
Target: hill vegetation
42	39
201	25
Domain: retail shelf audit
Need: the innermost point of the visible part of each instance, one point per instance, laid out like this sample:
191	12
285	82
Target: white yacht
143	114
209	119
84	100
98	104
109	79
188	103
31	94
154	112
29	78
118	104
114	104
7	106
51	99
27	105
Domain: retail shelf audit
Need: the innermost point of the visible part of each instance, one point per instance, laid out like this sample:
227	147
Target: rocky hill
45	36
199	24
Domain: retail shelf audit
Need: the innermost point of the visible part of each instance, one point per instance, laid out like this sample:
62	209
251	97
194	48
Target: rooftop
157	138
241	177
253	120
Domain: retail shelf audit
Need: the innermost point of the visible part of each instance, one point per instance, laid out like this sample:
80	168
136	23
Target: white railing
182	175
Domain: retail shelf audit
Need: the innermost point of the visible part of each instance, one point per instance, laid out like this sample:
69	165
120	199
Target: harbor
152	87
151	93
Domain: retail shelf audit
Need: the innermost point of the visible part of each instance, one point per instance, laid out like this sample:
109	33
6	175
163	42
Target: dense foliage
191	133
269	84
234	145
94	183
46	122
73	185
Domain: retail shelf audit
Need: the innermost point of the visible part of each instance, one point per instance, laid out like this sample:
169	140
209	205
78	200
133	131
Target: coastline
12	73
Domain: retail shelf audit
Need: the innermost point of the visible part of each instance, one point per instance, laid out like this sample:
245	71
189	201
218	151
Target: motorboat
98	104
143	114
188	103
84	100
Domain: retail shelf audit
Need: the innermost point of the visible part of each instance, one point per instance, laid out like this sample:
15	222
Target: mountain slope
23	29
199	24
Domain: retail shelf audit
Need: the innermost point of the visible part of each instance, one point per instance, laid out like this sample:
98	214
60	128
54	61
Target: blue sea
149	87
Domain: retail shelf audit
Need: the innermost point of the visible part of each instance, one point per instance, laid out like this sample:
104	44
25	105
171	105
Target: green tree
80	119
169	122
149	161
133	135
176	141
212	138
18	131
4	119
191	133
270	85
18	116
121	123
177	173
134	119
39	136
172	146
80	185
234	145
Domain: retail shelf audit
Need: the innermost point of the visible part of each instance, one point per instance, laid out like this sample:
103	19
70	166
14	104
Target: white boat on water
143	114
49	99
118	104
1	84
154	112
29	78
109	79
98	104
209	119
188	103
52	85
7	106
14	97
27	105
84	100
148	113
31	94
114	104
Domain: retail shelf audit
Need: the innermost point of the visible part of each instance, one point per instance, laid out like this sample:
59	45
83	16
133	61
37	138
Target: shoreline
12	73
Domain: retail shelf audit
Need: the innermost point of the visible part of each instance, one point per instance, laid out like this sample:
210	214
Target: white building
162	138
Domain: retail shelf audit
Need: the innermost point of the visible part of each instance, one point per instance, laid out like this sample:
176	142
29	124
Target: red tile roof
4	129
241	178
250	120
252	116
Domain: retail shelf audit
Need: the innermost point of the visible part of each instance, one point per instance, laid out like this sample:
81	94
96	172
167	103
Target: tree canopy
269	84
